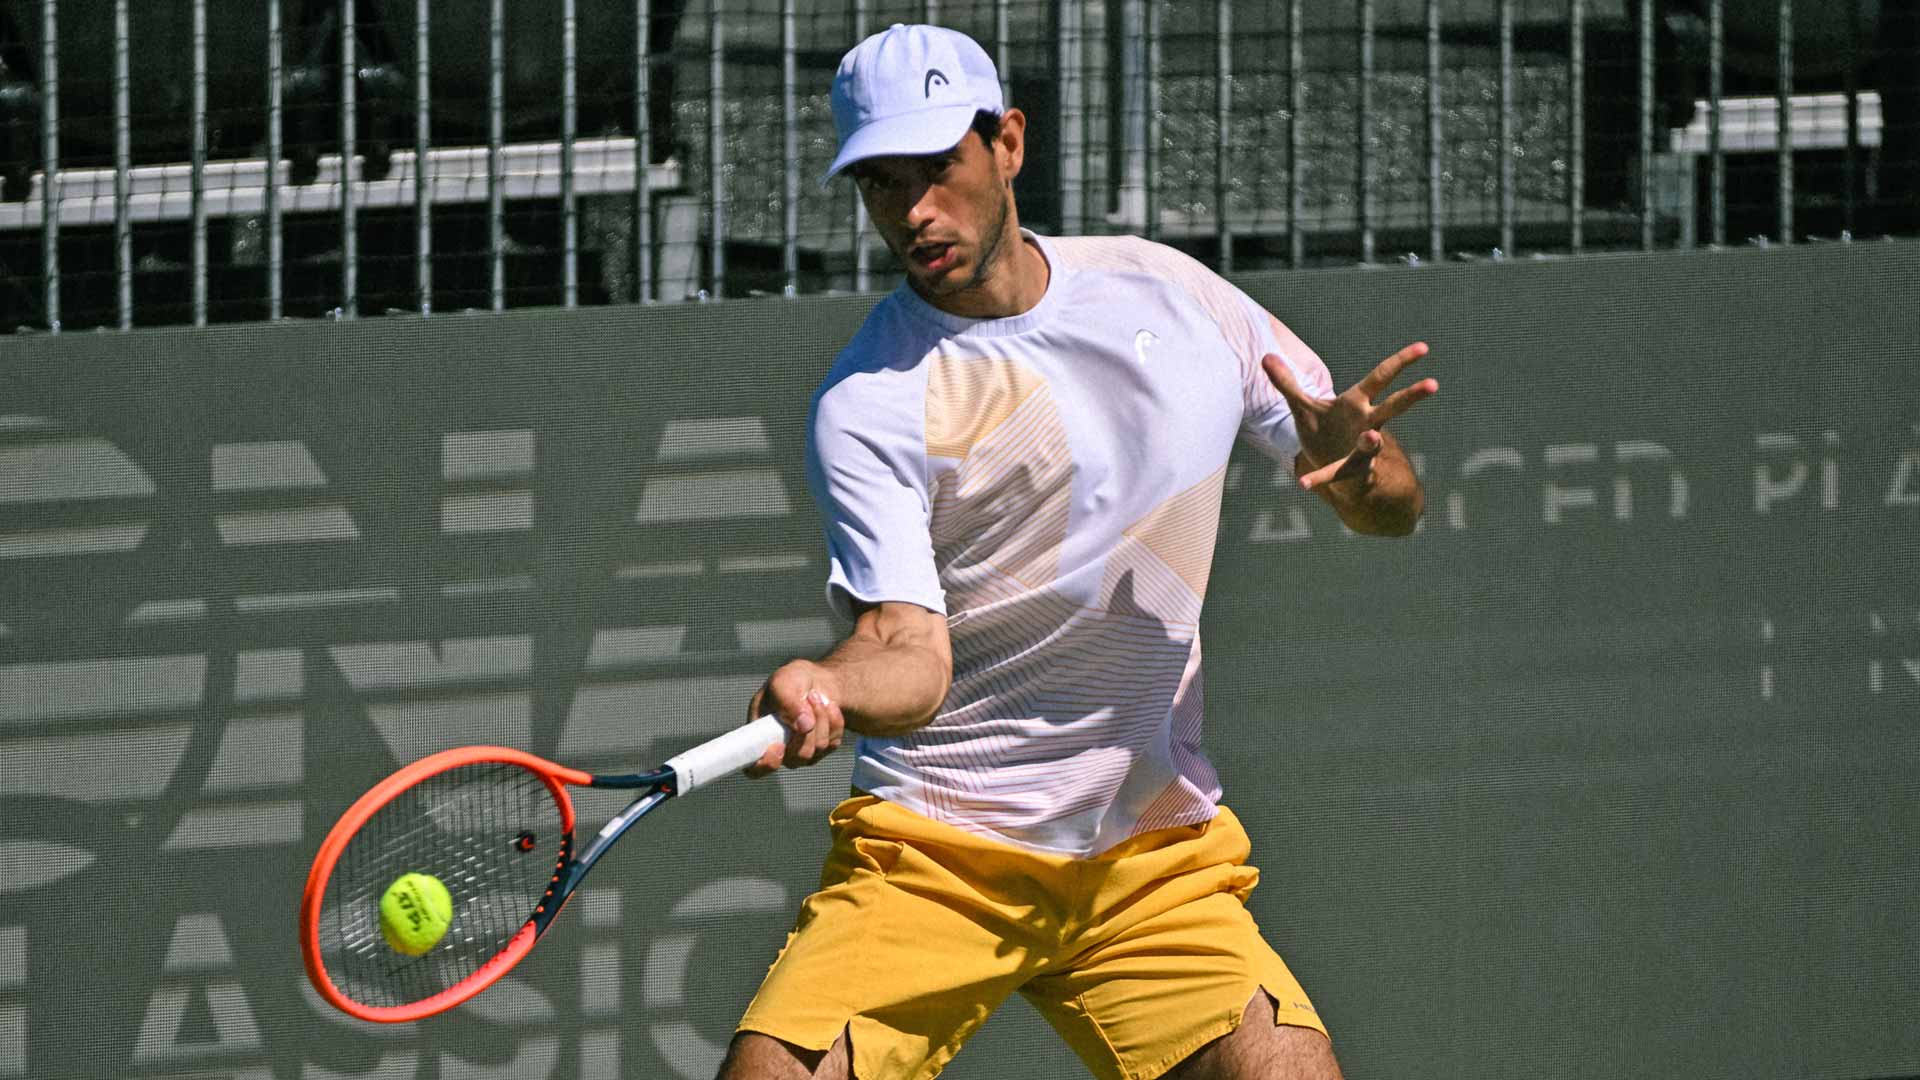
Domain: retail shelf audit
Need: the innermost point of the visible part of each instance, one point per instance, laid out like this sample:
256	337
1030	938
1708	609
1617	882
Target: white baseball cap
910	90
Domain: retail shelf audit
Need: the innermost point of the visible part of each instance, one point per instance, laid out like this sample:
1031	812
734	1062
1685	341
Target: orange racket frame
696	767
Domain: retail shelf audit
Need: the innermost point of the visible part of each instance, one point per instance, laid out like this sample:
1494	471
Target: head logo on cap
875	112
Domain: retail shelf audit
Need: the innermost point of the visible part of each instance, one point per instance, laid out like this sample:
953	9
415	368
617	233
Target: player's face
946	216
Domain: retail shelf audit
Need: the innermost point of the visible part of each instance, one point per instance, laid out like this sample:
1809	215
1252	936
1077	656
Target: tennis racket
495	825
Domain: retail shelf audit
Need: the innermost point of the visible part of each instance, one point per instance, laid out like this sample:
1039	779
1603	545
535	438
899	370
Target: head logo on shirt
1142	341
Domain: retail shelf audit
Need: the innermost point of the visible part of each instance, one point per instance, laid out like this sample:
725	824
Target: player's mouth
933	257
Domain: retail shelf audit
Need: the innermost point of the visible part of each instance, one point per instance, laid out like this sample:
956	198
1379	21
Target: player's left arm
1345	455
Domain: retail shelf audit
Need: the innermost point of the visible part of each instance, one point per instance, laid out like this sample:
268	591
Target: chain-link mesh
608	151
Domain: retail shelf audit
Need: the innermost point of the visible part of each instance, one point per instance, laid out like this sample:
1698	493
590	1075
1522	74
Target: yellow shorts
1137	957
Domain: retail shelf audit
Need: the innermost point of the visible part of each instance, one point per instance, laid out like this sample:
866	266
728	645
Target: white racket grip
727	754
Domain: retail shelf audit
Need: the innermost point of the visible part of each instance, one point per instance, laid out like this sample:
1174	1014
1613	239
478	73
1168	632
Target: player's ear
1010	148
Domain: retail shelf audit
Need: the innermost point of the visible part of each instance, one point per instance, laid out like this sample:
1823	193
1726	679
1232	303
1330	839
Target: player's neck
1017	282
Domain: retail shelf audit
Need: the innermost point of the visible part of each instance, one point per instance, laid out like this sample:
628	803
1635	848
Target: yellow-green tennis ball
415	913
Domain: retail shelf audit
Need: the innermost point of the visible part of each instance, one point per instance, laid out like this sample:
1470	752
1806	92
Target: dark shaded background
1609	770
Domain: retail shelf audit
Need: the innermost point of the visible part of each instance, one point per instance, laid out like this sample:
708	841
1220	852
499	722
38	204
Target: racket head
494	824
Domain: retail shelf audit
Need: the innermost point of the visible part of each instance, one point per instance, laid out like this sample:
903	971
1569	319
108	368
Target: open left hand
1340	437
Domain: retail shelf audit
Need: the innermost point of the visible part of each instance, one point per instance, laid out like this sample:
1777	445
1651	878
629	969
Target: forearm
1383	500
886	688
887	678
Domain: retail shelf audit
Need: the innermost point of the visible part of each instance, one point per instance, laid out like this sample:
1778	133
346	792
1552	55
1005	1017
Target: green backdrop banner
1612	768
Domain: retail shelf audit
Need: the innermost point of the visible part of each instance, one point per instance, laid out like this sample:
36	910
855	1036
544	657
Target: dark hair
987	126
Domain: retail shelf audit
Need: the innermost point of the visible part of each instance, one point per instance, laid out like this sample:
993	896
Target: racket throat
621	822
558	893
575	870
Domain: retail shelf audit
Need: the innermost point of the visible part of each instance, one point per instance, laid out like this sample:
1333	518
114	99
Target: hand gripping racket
495	825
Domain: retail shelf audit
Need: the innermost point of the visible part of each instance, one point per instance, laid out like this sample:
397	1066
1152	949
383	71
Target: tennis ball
415	913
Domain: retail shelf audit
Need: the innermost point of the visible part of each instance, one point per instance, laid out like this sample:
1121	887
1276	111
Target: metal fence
182	161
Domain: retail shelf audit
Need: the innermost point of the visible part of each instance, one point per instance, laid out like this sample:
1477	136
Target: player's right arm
887	678
867	470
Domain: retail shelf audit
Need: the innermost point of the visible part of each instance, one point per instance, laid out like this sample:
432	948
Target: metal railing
312	159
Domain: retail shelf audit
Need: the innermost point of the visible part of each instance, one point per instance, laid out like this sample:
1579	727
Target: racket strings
490	832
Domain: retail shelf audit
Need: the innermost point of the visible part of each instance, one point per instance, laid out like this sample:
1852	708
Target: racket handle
729	753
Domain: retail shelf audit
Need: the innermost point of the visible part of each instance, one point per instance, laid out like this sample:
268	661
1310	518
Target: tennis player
1019	459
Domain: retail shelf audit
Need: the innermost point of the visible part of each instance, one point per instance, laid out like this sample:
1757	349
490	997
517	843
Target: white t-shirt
1051	482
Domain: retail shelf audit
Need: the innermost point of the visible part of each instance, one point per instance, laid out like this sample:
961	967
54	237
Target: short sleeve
1250	331
868	476
1266	420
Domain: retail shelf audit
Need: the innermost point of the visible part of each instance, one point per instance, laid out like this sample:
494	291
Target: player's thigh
899	953
754	1056
1261	1049
1167	987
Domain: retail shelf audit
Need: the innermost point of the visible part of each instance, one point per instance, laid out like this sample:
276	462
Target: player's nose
922	210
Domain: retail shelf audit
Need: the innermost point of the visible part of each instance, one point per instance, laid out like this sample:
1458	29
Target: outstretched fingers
1402	400
1387	370
1354	464
1282	379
